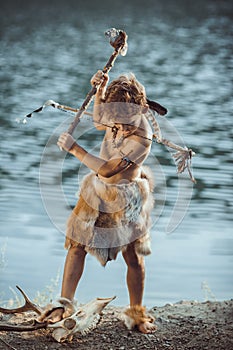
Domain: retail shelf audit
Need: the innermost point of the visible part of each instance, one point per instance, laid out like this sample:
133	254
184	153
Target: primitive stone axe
118	40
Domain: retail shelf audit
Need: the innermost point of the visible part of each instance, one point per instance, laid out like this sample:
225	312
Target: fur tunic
108	217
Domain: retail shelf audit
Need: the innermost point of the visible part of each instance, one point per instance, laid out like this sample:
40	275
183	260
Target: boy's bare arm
100	166
100	80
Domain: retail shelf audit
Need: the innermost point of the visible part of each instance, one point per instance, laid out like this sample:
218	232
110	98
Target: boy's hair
126	88
125	97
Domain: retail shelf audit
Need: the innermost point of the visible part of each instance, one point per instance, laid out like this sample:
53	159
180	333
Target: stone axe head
118	40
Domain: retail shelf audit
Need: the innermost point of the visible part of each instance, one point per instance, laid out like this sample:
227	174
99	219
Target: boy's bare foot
147	327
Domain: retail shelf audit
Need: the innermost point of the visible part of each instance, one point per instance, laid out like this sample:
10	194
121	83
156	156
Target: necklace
117	143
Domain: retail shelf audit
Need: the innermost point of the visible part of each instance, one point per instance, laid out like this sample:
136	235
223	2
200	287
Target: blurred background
182	52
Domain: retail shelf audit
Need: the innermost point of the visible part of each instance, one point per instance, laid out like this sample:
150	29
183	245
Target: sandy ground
185	325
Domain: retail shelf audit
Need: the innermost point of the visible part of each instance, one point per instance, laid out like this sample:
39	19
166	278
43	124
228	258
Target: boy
113	210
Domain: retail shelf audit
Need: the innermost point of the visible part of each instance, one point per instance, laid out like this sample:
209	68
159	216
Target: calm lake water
182	52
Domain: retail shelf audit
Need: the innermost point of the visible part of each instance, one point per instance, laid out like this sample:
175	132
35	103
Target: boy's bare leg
73	270
135	283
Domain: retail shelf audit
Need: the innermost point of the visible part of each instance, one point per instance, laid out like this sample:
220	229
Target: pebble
162	320
168	304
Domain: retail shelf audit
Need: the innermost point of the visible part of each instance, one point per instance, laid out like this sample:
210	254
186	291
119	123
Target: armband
127	162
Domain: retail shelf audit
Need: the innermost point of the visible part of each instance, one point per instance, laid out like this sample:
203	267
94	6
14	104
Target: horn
155	106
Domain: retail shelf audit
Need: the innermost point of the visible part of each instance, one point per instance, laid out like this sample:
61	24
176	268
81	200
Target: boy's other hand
66	142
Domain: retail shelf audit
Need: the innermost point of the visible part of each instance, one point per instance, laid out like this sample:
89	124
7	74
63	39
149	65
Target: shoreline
185	325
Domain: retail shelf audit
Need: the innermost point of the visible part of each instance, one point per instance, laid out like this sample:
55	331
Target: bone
82	321
28	306
65	305
76	319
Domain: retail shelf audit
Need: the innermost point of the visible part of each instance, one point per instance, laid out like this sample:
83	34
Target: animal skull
84	319
75	318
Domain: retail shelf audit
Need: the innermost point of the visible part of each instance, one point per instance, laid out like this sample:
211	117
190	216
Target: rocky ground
181	326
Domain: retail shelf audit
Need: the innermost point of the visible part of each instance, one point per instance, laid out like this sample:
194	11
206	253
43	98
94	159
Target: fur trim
135	315
146	173
143	245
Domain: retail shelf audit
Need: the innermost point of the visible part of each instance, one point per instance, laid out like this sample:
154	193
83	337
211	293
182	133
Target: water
182	53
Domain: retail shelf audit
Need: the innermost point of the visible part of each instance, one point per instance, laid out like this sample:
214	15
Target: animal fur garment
108	217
